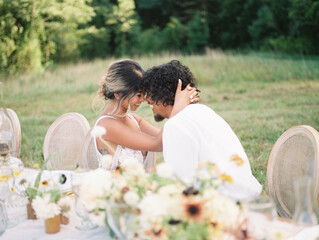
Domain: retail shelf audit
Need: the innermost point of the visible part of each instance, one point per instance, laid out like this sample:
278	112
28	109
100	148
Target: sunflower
193	208
44	183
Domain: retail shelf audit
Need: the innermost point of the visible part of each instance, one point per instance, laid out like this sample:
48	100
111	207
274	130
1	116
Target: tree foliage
36	33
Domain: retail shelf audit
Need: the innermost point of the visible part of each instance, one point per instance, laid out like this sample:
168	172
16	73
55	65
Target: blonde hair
124	77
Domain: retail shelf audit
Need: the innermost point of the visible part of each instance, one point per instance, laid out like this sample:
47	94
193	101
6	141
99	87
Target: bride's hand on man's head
184	97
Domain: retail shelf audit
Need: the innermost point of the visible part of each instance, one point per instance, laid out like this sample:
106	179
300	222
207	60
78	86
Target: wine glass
120	218
83	213
80	208
17	165
6	181
305	210
261	213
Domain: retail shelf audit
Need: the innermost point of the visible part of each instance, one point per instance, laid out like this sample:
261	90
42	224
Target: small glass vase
305	205
52	225
261	215
120	218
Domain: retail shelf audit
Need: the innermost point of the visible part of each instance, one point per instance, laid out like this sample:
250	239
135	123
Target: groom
197	133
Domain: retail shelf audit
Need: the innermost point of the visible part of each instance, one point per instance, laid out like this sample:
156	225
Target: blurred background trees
37	33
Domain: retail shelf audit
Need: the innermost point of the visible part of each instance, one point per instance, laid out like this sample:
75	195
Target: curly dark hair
160	82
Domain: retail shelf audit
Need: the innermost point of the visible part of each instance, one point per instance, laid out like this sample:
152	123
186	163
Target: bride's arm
146	127
121	134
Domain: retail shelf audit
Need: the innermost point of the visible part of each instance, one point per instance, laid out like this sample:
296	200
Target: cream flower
164	170
131	198
95	186
98	131
220	209
66	205
98	218
106	161
152	206
44	208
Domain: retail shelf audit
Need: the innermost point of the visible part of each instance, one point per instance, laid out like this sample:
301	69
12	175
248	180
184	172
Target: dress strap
133	118
98	154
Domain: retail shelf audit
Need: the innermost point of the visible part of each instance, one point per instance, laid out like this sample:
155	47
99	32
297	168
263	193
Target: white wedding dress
123	153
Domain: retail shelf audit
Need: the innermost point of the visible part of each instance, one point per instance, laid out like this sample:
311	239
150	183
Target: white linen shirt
197	134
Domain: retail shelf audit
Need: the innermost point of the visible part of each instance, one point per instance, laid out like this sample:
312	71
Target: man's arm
180	149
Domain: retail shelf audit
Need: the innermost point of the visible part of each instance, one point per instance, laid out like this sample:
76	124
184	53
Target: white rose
164	170
44	208
153	206
106	161
98	218
95	185
131	198
66	205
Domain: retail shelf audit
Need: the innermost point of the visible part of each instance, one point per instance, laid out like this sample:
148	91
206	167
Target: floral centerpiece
47	201
52	205
159	205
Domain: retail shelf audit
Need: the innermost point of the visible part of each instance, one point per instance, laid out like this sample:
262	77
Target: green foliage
198	33
175	35
22	30
37	34
149	41
94	43
304	16
123	23
263	27
62	25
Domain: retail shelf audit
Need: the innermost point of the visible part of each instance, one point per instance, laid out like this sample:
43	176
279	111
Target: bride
129	135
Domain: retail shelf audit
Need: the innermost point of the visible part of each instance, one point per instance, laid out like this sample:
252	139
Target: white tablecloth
35	230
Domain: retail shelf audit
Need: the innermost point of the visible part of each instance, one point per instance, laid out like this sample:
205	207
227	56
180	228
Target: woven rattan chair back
16	143
63	141
89	157
295	154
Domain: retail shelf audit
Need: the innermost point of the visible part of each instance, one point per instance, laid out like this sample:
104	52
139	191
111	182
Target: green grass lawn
259	95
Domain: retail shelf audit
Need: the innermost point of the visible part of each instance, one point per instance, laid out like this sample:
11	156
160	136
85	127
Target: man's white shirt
198	134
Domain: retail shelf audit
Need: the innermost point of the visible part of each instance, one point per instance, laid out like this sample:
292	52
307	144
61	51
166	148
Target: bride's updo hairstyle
123	77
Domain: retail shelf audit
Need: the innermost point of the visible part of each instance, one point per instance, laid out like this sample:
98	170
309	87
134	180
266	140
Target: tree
124	23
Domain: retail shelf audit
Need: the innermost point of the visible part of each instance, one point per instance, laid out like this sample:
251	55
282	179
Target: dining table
28	229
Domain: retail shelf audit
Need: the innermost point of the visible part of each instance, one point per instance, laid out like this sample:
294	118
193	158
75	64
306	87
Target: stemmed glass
80	208
6	178
261	213
120	218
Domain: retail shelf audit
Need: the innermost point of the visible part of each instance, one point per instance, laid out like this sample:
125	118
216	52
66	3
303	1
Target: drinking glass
6	181
305	209
261	213
120	218
82	212
3	219
80	208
